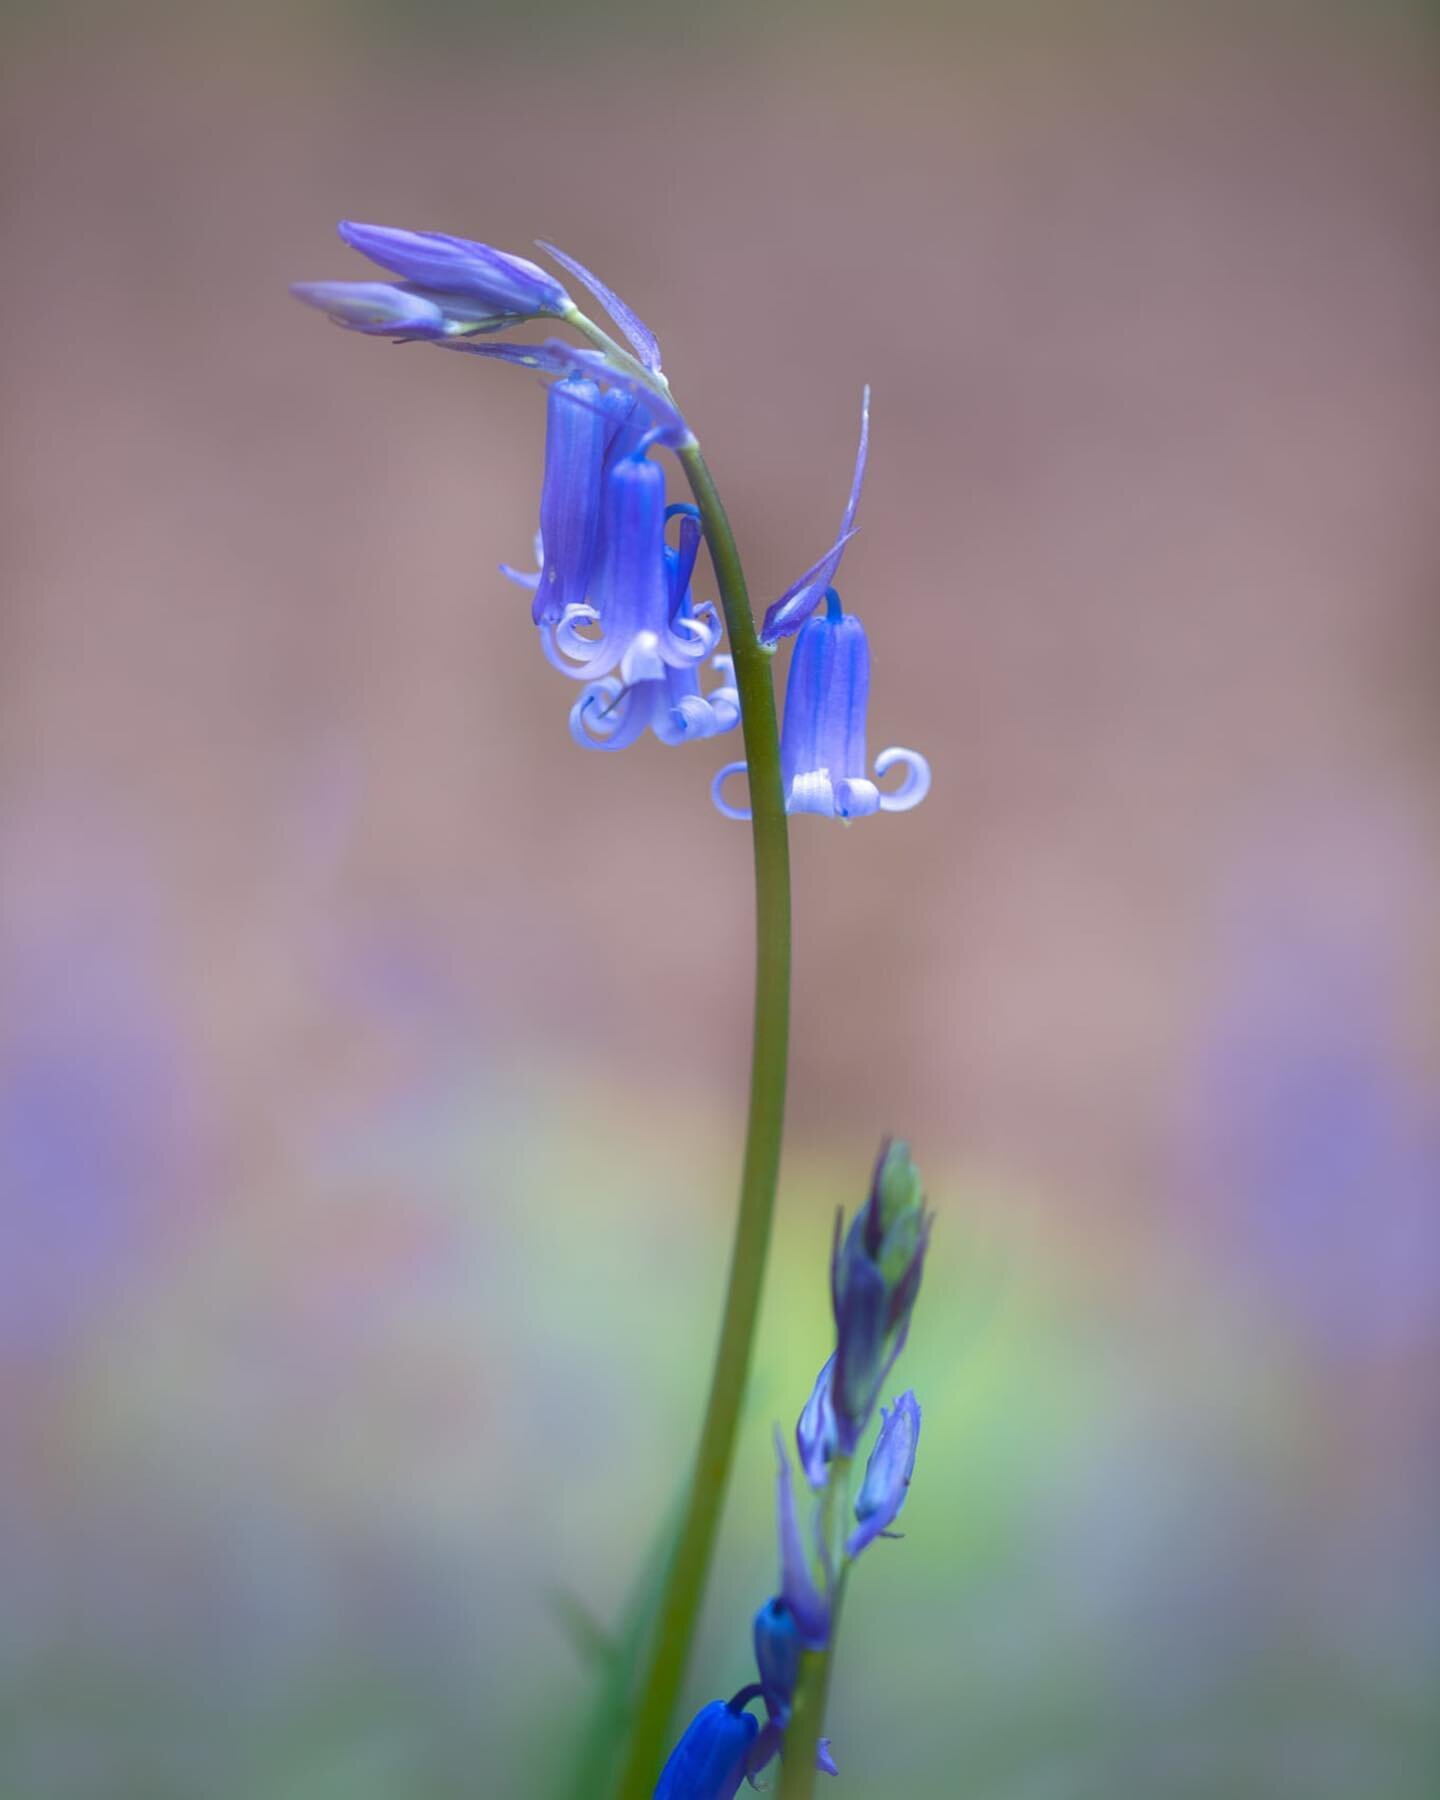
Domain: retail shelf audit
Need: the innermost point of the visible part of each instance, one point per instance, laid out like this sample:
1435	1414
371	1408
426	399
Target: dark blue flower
799	600
500	283
875	1276
887	1474
709	1761
822	742
777	1656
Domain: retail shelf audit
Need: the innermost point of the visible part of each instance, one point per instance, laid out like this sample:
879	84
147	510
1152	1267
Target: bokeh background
373	1058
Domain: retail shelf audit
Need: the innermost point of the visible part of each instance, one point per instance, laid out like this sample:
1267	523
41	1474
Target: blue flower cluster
611	594
875	1276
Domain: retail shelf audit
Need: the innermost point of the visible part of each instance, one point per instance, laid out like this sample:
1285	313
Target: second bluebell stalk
875	1278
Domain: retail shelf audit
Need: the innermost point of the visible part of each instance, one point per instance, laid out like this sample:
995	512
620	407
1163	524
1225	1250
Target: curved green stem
649	1733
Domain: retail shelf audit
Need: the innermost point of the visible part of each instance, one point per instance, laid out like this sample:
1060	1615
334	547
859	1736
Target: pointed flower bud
709	1761
822	742
875	1276
376	307
887	1474
815	1429
454	265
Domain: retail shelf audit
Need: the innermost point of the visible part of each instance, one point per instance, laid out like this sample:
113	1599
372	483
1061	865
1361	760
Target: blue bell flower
709	1761
822	740
500	283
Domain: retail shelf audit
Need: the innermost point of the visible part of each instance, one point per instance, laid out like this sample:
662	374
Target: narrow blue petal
539	357
809	1605
641	338
824	1761
709	1761
888	1472
797	603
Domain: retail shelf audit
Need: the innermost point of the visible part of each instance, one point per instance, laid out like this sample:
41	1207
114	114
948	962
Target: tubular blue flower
376	307
501	283
807	1599
822	742
874	1278
709	1761
815	1429
576	430
887	1474
799	600
609	715
630	625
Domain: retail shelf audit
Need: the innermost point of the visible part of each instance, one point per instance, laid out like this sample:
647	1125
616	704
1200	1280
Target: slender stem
649	1732
812	1689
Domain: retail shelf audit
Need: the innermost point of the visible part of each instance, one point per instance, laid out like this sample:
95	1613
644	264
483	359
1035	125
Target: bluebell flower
629	624
611	714
500	284
815	1434
822	740
874	1278
887	1474
777	1657
576	430
799	600
709	1761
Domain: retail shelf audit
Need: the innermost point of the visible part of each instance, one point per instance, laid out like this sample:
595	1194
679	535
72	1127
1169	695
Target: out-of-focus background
373	1058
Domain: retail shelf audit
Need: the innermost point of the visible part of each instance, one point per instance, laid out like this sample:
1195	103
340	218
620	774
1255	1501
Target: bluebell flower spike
641	338
823	737
576	431
460	267
887	1474
800	599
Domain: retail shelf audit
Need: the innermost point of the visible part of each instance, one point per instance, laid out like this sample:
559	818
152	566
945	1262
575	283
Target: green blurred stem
648	1739
812	1690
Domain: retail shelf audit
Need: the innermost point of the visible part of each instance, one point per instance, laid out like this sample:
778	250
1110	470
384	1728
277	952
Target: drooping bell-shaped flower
874	1278
709	1761
887	1474
499	283
629	625
822	740
799	600
777	1656
611	714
